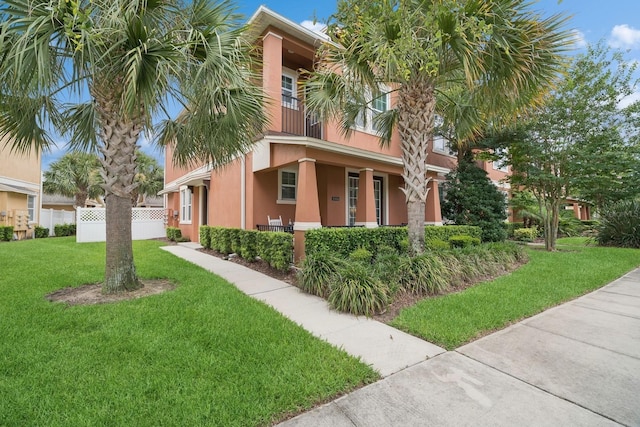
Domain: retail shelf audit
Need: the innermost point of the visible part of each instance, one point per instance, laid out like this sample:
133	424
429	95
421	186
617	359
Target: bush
62	230
512	227
463	241
173	233
361	255
437	244
205	237
525	234
6	233
318	271
423	274
276	248
356	291
234	240
41	232
248	244
620	225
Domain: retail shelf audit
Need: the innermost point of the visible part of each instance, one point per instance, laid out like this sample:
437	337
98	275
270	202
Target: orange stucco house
301	170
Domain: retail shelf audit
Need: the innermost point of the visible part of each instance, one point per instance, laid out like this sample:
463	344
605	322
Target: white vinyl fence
147	223
49	218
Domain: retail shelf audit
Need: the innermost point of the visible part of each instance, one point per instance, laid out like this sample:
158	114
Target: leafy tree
77	175
126	62
472	199
497	51
149	177
581	141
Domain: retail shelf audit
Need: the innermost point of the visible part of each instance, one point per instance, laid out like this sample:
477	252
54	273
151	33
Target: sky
616	22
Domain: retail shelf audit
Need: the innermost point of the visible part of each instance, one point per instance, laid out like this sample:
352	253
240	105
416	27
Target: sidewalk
386	349
575	364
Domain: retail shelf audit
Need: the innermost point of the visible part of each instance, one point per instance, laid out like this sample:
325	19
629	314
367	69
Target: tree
77	175
472	199
126	62
497	51
149	177
581	141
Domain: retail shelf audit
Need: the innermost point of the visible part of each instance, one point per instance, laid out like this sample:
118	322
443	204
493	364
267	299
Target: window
378	191
31	208
288	180
442	145
289	90
378	194
500	164
379	105
185	205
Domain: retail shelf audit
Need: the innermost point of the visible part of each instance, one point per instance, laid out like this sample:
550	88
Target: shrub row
41	232
275	248
6	233
343	241
62	230
363	284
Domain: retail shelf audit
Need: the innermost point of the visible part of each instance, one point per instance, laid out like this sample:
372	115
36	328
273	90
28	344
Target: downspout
243	193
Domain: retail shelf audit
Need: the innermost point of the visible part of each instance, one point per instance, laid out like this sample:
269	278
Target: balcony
296	120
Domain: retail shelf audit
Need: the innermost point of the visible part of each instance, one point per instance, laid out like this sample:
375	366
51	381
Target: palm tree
149	177
496	51
77	175
127	63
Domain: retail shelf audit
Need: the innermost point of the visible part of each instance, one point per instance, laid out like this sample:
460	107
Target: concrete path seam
542	389
606	311
618	293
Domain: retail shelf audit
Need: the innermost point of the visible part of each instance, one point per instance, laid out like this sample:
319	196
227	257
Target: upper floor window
501	163
289	89
442	145
185	204
287	185
378	105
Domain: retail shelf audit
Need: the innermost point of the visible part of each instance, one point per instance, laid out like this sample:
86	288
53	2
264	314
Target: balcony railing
297	120
281	228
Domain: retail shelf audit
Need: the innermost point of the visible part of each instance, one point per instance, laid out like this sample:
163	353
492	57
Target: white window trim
447	143
368	128
35	217
183	190
294	78
385	193
280	200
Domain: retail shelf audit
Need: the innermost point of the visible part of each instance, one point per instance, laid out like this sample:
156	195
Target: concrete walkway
576	364
386	349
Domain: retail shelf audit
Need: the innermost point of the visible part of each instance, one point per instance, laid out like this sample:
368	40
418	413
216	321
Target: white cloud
624	37
316	27
628	100
579	40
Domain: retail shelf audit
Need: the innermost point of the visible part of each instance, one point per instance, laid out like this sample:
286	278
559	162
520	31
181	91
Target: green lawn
547	280
202	354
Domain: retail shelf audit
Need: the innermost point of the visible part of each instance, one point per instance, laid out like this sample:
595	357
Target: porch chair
275	221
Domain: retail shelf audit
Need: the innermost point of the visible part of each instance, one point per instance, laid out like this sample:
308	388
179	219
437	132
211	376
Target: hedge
41	232
62	230
525	234
275	248
6	233
174	234
343	241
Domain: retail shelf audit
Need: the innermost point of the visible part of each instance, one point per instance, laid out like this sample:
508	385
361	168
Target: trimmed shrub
356	291
620	225
224	241
205	237
173	233
463	241
525	234
361	255
6	233
276	248
62	230
437	244
248	244
234	240
41	232
317	273
512	227
423	274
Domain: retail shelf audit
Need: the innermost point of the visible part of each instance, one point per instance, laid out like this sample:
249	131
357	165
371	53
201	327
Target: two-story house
301	170
19	190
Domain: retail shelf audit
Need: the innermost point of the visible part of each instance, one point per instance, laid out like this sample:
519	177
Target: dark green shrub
248	244
569	225
62	230
6	233
356	291
276	248
361	255
173	233
205	237
423	274
224	241
235	240
318	271
463	241
215	237
41	232
386	269
525	234
620	225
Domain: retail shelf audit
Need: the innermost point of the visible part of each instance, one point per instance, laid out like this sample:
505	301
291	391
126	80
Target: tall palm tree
497	51
77	175
127	63
149	177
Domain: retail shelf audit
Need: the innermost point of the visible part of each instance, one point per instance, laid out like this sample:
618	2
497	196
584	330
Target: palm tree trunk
119	136
416	107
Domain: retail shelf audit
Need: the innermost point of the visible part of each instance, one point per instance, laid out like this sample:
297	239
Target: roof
265	17
17	189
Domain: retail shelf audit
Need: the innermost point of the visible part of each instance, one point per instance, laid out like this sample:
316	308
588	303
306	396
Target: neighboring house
301	170
63	203
19	190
